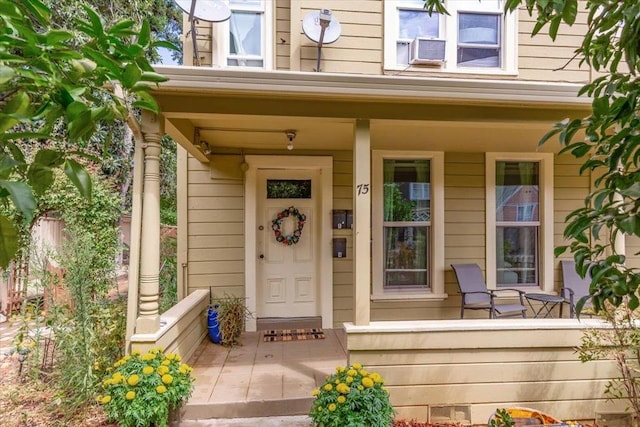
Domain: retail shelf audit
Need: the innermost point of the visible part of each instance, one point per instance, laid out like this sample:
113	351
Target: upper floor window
245	39
476	37
479	41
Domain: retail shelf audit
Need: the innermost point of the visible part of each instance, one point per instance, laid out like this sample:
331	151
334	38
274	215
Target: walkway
262	379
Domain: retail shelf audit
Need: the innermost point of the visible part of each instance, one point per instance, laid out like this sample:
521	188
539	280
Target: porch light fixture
291	134
206	148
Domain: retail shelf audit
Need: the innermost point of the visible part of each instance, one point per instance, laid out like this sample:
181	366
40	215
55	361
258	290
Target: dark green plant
620	343
502	418
396	207
78	337
168	273
352	397
52	77
91	327
232	315
140	389
168	182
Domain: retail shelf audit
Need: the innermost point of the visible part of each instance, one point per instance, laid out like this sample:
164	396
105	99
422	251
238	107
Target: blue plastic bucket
213	325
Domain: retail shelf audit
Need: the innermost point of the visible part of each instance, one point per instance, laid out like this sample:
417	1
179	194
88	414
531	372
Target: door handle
261	256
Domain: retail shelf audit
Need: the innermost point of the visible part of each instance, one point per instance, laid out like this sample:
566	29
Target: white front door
287	278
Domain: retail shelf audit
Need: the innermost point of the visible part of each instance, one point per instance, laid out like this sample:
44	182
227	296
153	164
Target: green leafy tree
607	140
113	142
56	80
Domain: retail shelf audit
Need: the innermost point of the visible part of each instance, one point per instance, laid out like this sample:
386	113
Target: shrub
168	273
232	313
141	389
352	397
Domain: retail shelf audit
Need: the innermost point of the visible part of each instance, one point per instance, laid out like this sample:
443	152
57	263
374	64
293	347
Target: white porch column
148	320
361	222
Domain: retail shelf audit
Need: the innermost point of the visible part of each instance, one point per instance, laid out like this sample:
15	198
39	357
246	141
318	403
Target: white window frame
449	31
545	194
436	250
220	37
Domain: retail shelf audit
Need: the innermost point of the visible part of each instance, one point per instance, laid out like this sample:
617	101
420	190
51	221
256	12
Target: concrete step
248	409
290	421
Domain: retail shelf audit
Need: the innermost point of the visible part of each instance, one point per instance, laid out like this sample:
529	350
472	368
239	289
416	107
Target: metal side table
548	303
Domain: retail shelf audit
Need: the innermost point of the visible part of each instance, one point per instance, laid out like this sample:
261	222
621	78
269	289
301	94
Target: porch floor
262	378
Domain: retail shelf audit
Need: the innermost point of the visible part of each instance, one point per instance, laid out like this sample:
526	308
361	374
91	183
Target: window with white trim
408	199
519	221
476	37
245	39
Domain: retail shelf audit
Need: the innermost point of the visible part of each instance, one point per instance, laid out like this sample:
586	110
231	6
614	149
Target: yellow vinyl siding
541	59
282	35
359	50
343	267
485	369
215	232
632	248
569	193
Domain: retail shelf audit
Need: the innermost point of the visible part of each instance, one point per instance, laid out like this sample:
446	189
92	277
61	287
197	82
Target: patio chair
476	296
574	287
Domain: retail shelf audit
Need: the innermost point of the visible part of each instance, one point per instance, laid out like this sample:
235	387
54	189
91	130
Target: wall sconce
291	135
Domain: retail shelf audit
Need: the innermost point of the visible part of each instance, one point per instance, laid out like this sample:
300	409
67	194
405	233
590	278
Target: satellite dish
206	10
314	22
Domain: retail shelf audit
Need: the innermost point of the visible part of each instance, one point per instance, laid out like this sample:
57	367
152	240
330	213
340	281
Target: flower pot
213	325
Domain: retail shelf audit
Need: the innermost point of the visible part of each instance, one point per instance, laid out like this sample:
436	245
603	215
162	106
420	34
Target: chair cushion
507	308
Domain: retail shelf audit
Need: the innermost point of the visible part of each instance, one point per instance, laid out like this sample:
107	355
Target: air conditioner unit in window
426	51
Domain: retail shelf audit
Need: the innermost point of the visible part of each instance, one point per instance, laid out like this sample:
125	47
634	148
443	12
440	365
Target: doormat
293	334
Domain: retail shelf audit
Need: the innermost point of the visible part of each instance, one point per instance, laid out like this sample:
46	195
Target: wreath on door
288	239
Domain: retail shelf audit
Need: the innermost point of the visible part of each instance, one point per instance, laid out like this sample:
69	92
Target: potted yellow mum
352	397
141	389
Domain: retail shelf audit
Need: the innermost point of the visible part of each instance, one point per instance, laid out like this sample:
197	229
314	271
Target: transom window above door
476	37
288	188
245	39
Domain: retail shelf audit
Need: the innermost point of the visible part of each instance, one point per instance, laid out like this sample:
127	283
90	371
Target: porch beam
187	106
148	320
362	222
183	132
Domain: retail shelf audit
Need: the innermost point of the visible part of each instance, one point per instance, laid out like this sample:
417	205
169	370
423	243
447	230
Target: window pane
517	255
478	29
237	62
417	23
406	257
288	189
482	30
473	57
402	53
407	190
237	3
245	33
517	191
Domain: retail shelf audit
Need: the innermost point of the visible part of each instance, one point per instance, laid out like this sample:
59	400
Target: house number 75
362	189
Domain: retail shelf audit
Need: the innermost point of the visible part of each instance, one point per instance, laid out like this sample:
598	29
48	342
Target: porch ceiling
225	132
233	110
